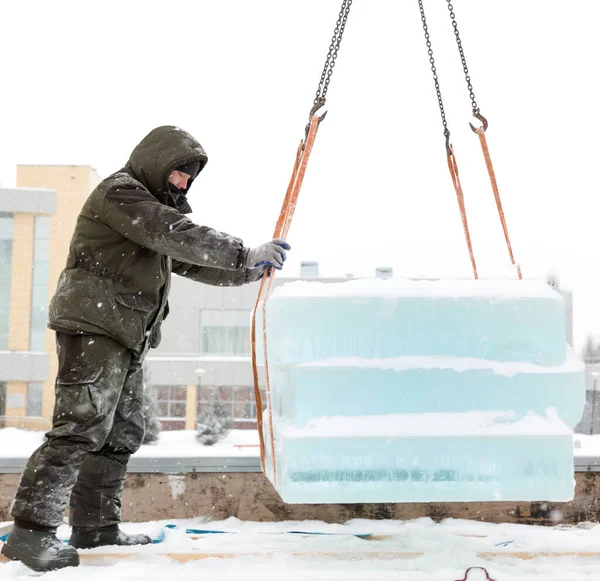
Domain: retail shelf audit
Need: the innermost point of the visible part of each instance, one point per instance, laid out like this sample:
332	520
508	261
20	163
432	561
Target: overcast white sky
83	82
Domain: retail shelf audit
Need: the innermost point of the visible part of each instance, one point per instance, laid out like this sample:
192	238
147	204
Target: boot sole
97	546
80	543
39	565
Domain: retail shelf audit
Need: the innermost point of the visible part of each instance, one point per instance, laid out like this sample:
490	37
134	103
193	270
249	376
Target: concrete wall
249	496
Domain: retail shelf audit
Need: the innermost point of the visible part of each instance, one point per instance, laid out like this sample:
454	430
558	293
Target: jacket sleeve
137	215
208	275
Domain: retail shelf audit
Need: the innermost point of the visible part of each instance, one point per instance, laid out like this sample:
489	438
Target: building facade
37	218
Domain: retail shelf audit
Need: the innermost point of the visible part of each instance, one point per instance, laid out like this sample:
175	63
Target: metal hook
315	109
466	577
448	144
481	118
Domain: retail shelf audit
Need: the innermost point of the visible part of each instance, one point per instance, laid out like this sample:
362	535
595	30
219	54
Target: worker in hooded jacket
111	300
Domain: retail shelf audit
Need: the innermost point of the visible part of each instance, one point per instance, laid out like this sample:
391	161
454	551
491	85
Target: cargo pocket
77	398
135	310
129	424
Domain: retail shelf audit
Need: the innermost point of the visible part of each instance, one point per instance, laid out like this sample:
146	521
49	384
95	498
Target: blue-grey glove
256	274
268	254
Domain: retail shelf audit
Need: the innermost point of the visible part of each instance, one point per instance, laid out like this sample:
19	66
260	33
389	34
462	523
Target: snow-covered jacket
130	235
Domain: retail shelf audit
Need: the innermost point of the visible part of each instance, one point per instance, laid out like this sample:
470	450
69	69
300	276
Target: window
39	294
225	332
6	245
35	392
226	340
236	402
171	401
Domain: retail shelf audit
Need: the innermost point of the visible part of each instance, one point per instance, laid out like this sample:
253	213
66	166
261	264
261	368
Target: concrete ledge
23	366
28	201
249	496
587	464
220	464
164	465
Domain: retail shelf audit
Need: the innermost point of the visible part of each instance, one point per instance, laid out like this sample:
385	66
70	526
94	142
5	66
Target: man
111	299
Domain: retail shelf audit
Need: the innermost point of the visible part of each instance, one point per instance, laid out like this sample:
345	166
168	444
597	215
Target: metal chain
462	58
332	54
435	76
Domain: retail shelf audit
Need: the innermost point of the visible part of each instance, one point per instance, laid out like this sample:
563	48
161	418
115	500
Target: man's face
179	179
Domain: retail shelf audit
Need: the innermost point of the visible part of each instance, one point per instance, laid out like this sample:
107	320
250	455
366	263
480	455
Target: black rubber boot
40	551
90	539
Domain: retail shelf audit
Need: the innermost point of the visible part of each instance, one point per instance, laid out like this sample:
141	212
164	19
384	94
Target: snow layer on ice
448	288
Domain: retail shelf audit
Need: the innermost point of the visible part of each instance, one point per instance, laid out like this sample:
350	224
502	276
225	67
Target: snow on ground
588	446
15	443
450	548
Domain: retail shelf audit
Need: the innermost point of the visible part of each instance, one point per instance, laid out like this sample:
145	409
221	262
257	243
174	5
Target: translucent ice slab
501	320
425	458
354	387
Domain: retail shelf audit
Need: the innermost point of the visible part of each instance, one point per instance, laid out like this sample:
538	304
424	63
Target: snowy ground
449	549
16	443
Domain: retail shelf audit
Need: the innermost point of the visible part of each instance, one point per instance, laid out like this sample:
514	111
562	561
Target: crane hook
481	118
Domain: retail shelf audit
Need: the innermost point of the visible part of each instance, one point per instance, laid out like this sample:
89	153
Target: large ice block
415	391
425	458
498	320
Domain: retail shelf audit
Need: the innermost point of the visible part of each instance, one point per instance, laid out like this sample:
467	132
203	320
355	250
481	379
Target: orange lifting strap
488	162
281	230
452	165
284	222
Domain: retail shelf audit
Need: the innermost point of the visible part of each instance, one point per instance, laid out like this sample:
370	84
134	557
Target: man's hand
256	274
268	254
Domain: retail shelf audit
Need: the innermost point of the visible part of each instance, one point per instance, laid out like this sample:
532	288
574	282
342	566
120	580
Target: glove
268	254
256	274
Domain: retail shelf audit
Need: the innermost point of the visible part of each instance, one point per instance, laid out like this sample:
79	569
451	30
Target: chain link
462	58
332	54
434	71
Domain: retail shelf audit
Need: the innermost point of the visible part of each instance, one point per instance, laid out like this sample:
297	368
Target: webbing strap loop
281	231
453	167
488	162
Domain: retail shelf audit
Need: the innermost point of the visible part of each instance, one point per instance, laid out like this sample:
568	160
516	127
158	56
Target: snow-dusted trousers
97	424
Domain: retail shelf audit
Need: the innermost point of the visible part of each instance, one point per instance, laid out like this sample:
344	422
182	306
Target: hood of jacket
164	149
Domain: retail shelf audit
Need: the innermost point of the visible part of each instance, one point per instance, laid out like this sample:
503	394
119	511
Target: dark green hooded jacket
131	234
